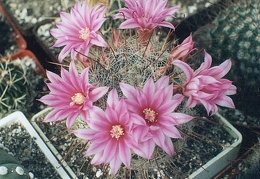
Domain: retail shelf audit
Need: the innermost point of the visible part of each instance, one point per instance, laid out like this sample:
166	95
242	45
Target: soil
18	142
29	12
246	166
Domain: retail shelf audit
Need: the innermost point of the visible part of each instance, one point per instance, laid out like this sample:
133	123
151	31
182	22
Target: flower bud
182	51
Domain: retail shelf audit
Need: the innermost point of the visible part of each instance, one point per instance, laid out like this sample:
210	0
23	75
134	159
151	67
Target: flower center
150	115
77	99
84	34
117	131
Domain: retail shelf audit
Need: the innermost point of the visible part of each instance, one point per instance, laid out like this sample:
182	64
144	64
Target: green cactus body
130	63
10	168
17	86
13	84
238	34
235	34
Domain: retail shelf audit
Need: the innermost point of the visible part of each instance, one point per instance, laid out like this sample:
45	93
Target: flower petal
84	133
115	164
124	153
97	93
185	67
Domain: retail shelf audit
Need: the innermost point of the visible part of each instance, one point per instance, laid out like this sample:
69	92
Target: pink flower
155	120
110	134
206	85
71	95
145	14
182	51
78	30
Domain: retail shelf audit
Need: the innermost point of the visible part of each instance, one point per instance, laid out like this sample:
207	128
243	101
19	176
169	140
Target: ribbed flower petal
185	67
95	148
162	82
168	146
84	133
225	101
97	93
110	151
145	15
171	131
149	90
129	24
98	119
181	118
112	98
128	90
69	95
158	138
75	28
97	159
206	85
124	153
148	148
115	164
70	119
50	116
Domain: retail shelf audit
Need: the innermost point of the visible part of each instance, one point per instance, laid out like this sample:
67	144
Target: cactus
17	86
135	69
130	63
13	79
10	168
235	34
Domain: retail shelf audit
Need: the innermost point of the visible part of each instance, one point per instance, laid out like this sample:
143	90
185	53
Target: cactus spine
17	86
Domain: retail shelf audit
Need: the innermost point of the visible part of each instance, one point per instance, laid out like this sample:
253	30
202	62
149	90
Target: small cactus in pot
130	86
18	83
13	80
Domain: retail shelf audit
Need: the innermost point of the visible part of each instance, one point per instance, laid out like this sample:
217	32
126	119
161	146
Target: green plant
10	168
235	34
18	83
138	64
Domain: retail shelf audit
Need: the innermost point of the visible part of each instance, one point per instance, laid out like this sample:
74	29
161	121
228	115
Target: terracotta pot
27	53
24	53
20	42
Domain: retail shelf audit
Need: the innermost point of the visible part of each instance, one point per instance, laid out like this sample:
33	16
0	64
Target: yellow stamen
117	131
150	115
84	34
77	99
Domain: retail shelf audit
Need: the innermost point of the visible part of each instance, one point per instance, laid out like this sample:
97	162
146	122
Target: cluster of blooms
144	115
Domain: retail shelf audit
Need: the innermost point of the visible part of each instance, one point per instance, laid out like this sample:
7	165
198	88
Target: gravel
29	12
19	143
